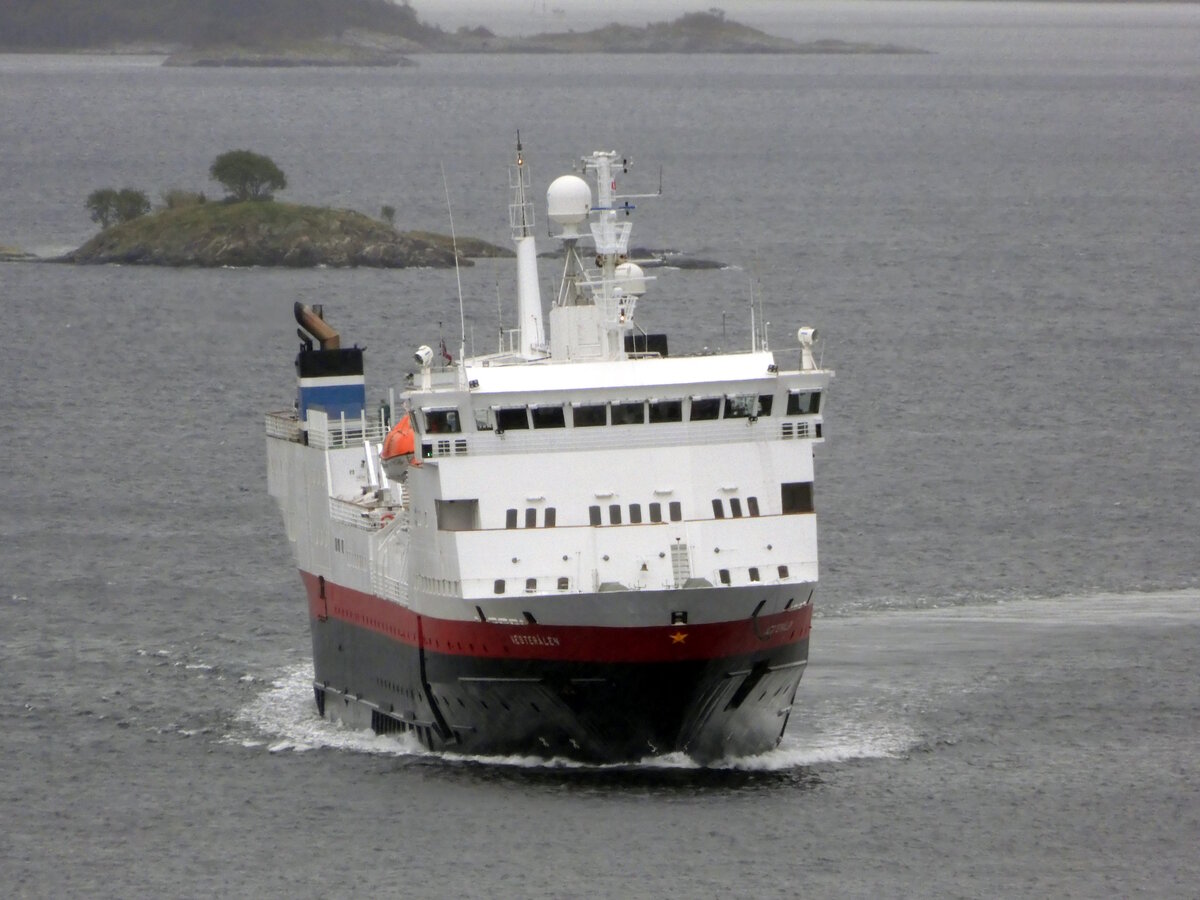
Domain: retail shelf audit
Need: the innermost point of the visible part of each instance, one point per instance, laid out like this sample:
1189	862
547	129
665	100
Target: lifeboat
398	448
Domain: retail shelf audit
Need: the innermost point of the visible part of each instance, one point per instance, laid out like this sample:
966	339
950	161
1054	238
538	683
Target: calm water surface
998	244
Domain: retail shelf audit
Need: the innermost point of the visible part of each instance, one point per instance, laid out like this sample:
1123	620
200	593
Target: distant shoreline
691	33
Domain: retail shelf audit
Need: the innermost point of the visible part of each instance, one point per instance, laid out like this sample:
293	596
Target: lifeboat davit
398	449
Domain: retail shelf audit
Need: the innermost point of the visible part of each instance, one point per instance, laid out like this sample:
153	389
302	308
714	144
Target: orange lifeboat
400	441
398	451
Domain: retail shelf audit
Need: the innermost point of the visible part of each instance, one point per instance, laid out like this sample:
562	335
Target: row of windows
549	520
735	507
531	585
635	412
797	497
655	511
632	412
500	586
723	574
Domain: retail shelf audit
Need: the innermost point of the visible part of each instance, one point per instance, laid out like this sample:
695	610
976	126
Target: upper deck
548	406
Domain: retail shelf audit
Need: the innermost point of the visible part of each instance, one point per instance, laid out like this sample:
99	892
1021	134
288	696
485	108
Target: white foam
285	720
286	716
873	742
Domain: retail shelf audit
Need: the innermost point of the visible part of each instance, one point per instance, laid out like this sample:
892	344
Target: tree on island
109	206
247	175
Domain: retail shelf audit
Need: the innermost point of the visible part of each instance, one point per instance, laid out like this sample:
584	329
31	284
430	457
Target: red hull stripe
582	643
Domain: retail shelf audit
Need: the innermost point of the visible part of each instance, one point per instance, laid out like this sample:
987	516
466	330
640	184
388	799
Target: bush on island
247	175
109	206
178	199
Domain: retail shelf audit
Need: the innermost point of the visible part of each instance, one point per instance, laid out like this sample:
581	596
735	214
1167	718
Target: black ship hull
599	710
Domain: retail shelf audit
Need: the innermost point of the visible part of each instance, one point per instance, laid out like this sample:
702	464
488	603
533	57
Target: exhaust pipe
312	320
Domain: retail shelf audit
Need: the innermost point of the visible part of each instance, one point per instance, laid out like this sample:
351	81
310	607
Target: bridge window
752	503
735	507
441	421
628	413
704	408
614	514
718	508
676	511
531	517
753	573
797	497
655	512
764	404
551	516
530	585
511	418
803	403
548	417
510	518
498	587
635	513
586	415
564	583
594	515
724	575
666	411
740	406
783	571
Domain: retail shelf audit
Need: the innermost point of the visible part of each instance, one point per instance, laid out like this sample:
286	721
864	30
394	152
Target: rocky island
269	233
353	33
699	32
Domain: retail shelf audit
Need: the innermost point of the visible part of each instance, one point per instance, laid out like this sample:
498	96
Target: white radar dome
631	278
568	201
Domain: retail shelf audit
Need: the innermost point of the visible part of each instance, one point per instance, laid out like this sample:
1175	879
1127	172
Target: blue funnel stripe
334	395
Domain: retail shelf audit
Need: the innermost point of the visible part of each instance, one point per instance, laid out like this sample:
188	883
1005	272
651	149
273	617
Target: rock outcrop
271	234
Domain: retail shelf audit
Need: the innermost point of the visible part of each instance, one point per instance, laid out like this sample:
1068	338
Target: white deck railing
284	425
325	433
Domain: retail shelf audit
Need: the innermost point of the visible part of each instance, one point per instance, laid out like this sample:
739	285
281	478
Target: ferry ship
577	546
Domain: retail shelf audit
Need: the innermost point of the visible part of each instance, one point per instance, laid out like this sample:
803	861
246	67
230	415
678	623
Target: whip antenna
462	319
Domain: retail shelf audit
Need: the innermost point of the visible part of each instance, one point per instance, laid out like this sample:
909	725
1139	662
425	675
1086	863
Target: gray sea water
998	243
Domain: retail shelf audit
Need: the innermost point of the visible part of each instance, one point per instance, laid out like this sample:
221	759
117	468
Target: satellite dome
631	278
568	201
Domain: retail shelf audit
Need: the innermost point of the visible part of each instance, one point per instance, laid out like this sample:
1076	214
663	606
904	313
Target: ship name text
539	640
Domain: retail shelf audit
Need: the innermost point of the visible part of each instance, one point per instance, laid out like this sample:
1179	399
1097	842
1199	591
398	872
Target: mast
532	335
595	306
